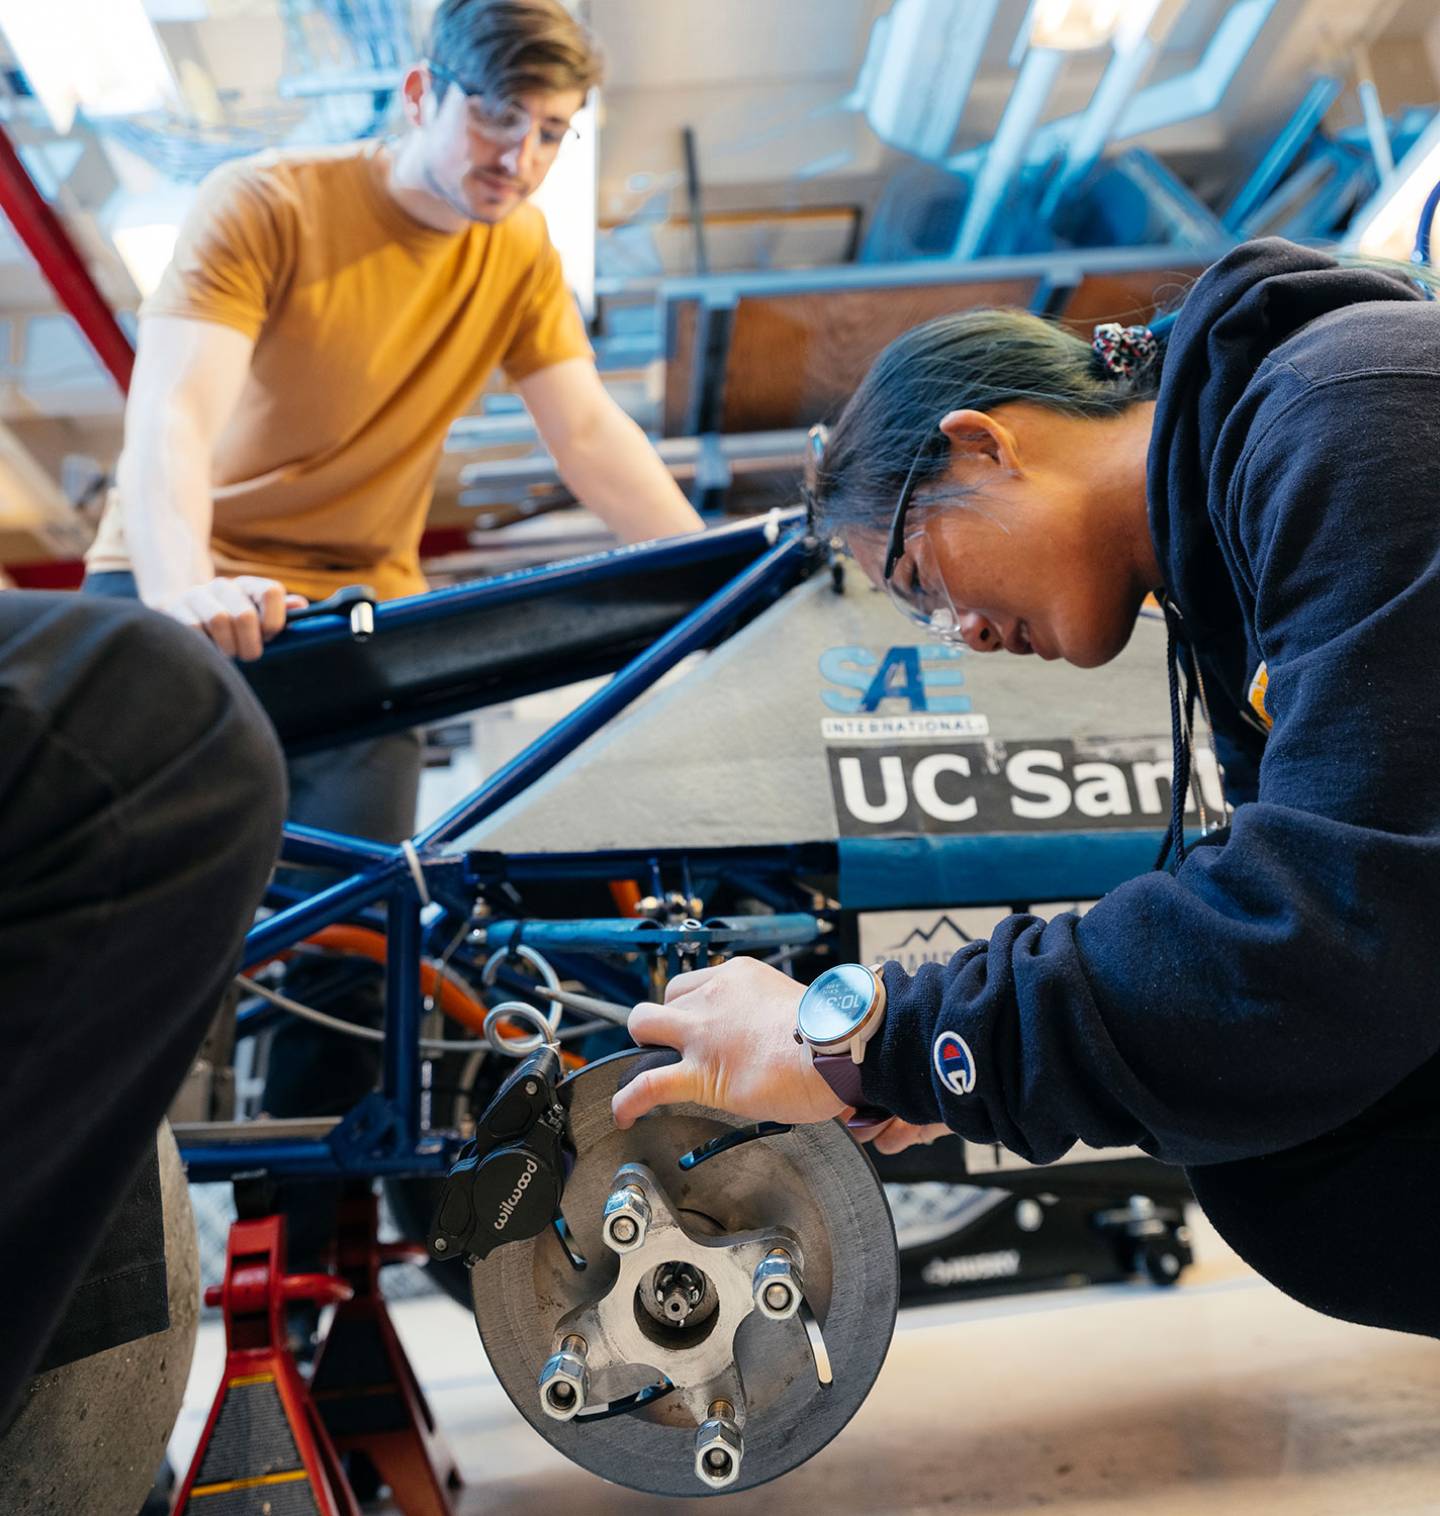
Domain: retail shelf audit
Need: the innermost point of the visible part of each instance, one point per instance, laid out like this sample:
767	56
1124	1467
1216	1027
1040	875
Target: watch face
836	1004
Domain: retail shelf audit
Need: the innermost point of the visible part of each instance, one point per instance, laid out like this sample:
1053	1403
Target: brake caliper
507	1182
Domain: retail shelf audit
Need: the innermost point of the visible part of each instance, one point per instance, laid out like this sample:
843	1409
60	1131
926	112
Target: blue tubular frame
624	935
402	1032
1282	154
779	568
385	1132
552	578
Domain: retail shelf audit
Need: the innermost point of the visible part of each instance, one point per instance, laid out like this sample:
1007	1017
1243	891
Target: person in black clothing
141	798
1266	1012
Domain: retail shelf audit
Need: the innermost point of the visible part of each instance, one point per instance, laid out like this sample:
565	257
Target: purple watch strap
844	1076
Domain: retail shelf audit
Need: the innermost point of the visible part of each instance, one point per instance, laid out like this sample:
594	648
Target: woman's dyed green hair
976	360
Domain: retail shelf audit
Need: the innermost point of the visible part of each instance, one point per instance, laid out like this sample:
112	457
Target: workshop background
811	177
825	145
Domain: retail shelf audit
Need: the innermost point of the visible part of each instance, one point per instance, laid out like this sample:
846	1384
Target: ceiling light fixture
1073	26
1385	227
144	228
102	57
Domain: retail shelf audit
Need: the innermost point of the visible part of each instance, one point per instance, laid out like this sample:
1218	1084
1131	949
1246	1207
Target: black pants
141	796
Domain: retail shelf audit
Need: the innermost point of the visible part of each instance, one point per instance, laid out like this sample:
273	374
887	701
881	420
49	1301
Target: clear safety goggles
912	574
505	122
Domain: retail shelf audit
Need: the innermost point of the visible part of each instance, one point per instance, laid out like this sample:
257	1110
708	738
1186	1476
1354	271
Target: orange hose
626	895
364	942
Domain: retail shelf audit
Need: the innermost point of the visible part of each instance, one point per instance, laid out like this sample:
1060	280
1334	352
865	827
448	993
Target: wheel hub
737	1311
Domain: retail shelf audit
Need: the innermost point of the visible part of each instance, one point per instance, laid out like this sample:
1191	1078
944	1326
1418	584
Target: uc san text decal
1043	785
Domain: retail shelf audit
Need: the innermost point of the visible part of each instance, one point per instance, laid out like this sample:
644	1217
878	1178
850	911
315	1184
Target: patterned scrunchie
1124	350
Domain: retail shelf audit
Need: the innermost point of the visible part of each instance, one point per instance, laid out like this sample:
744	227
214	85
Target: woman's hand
894	1136
734	1024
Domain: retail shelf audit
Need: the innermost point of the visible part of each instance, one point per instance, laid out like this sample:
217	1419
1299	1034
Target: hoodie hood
1238	318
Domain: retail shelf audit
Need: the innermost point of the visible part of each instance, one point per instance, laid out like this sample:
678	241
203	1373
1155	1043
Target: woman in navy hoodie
1266	1011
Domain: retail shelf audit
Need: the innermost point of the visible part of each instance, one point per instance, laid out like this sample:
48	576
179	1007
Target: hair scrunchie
1124	350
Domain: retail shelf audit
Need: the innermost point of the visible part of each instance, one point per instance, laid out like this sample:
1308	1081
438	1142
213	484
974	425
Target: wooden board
796	359
1132	296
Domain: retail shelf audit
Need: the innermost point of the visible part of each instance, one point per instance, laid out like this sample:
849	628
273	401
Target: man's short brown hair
505	48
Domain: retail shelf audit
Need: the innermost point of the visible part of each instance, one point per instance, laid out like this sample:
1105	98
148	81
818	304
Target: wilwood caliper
506	1184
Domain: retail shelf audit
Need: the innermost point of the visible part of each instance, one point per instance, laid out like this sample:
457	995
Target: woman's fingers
670	1085
895	1135
875	1133
652	1025
683	984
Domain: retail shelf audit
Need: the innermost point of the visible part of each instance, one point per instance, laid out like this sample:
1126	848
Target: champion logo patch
954	1063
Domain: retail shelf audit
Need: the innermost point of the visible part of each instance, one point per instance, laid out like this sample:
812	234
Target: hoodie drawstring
1180	741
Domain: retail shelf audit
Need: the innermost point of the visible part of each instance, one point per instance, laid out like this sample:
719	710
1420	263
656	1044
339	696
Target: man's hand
238	615
734	1025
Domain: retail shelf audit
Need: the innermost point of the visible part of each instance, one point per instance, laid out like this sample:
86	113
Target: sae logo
908	693
920	678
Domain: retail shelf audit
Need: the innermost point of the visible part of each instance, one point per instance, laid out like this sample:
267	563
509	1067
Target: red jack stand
264	1446
363	1385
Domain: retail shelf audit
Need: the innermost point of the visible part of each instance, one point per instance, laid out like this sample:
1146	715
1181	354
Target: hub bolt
777	1288
565	1381
719	1447
626	1219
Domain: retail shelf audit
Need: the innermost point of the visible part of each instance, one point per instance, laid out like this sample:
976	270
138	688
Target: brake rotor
678	1313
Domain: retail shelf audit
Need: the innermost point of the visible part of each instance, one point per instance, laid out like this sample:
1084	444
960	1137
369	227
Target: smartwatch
838	1014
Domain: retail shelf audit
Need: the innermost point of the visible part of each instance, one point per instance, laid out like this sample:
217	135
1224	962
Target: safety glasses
912	574
504	122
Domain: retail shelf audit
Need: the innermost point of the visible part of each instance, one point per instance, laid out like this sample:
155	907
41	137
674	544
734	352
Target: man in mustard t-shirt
327	315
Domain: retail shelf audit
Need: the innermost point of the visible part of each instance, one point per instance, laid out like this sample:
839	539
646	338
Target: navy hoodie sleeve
1286	979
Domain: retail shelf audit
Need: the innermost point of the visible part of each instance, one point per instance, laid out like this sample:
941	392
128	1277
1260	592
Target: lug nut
565	1381
626	1219
777	1286
719	1447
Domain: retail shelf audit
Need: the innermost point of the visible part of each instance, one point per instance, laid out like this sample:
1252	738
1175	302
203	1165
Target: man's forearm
615	472
164	481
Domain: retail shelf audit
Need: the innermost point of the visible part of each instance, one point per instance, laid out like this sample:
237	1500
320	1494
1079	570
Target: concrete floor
1220	1396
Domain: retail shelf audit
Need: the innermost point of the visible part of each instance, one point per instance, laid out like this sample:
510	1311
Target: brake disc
671	1306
